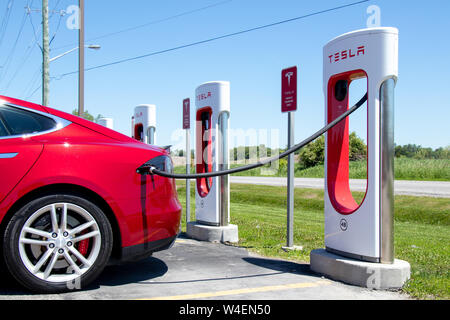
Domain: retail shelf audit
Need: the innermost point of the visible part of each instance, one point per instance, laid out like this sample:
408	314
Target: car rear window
18	122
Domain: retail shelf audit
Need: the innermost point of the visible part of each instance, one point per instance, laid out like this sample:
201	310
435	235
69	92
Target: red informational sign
186	113
289	89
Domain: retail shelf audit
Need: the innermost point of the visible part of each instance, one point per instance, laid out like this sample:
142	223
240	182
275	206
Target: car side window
3	131
18	122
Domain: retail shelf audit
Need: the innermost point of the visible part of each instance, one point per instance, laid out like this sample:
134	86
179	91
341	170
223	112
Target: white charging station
212	195
212	101
359	237
106	122
354	229
144	123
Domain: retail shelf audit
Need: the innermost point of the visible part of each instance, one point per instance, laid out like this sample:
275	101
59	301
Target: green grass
426	169
422	231
405	169
357	170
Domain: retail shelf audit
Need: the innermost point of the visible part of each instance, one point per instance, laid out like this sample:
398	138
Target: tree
243	152
313	154
86	115
442	153
98	117
418	152
408	150
358	149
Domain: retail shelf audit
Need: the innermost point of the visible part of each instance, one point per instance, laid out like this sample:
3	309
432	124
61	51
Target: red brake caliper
83	245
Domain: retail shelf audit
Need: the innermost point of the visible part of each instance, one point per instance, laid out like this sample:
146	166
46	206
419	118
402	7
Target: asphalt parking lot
193	270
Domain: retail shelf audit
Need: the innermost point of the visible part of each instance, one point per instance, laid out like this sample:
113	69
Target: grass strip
421	224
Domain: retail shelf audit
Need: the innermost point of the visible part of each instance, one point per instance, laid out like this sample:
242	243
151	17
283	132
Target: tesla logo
288	76
347	54
203	96
343	224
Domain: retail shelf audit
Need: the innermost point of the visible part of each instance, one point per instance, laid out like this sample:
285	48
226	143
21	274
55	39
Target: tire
57	243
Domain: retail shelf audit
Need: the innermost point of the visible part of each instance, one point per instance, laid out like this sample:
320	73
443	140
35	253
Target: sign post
289	105
187	128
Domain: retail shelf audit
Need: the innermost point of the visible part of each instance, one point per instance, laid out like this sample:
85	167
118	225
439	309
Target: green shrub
314	153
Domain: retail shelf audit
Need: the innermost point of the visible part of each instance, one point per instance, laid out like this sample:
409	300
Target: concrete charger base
203	232
360	273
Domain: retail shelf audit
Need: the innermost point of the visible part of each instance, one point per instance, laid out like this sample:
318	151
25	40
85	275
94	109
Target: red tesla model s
72	198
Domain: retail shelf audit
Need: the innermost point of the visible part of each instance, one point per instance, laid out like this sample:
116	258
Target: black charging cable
153	170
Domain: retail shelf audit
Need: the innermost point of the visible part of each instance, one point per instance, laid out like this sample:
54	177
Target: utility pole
81	59
45	54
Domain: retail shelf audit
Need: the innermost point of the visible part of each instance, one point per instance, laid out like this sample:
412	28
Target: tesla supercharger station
212	122
362	231
359	237
144	123
106	122
212	195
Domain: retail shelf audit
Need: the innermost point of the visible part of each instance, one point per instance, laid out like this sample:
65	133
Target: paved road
402	187
193	270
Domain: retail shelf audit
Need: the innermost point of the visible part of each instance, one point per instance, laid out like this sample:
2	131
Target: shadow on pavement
117	275
281	265
131	272
8	286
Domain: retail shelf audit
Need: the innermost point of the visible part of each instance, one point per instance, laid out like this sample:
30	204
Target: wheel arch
74	190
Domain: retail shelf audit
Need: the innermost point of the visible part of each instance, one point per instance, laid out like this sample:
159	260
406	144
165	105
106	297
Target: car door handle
8	155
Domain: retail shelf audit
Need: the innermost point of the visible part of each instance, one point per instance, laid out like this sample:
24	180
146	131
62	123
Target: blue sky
252	62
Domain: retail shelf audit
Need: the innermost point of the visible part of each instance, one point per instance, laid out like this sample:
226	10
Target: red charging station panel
289	89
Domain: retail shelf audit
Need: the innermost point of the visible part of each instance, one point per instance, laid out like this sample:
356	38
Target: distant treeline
418	152
407	151
309	156
313	154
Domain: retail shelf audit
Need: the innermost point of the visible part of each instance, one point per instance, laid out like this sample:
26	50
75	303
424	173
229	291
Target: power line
9	58
211	39
31	46
28	50
106	35
61	15
34	29
150	23
25	58
215	38
32	82
5	21
53	11
32	94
